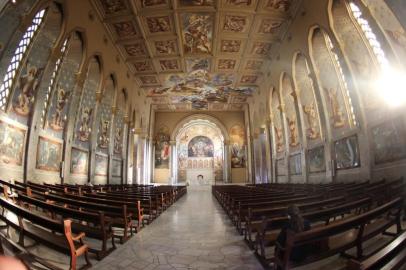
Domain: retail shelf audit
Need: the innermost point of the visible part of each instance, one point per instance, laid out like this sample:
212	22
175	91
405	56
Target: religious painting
249	79
226	64
49	154
261	48
169	64
12	140
269	26
148	80
116	168
281	5
113	6
58	109
197	30
153	3
101	165
237	141
27	89
295	164
197	3
240	3
200	146
280	167
316	160
347	153
194	64
230	46
159	24
125	29
143	66
165	47
389	141
79	161
135	49
162	148
254	64
336	112
235	23
117	144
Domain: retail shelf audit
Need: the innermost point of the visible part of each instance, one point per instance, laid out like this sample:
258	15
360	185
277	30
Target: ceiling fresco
197	54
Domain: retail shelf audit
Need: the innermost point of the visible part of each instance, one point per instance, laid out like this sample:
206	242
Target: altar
200	171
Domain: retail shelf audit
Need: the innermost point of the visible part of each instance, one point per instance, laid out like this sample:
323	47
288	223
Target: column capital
172	142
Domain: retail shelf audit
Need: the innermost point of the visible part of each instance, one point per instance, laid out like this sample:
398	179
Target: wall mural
116	167
199	87
200	146
49	154
295	164
101	165
79	162
289	96
162	148
237	141
118	134
389	141
104	116
277	123
316	160
197	32
12	140
347	153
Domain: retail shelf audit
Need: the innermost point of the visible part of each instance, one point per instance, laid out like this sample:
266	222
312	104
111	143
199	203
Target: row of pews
65	217
342	217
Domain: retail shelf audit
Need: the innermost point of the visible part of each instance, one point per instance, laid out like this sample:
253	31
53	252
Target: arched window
292	119
17	59
277	123
306	92
331	80
62	86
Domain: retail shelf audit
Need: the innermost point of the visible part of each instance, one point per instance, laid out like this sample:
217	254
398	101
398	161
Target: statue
279	139
28	84
293	132
337	113
61	100
85	128
104	133
117	141
311	114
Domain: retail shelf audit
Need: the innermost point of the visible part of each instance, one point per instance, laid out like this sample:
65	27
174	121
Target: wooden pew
28	224
340	236
391	257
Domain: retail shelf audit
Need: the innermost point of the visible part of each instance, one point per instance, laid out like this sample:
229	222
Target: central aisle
194	233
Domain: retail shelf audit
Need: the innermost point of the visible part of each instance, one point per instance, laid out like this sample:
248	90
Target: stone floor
194	233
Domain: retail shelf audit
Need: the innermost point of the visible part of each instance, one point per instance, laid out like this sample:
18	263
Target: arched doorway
201	155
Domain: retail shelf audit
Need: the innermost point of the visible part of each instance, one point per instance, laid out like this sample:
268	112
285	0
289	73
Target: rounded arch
187	120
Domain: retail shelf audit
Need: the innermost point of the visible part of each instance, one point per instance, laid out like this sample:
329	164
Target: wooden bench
340	236
40	229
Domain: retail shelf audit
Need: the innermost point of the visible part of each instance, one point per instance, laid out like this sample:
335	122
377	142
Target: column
173	166
227	162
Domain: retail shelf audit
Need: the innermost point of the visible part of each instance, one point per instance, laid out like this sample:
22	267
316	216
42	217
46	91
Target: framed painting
347	153
295	164
280	167
101	165
116	167
12	141
389	141
49	154
317	160
79	161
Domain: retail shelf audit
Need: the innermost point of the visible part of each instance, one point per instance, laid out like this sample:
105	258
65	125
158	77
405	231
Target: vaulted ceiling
197	54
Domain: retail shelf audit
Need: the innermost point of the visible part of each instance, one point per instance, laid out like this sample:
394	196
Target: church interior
202	134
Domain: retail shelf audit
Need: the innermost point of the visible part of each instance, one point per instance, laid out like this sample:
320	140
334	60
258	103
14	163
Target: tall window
369	35
16	60
52	82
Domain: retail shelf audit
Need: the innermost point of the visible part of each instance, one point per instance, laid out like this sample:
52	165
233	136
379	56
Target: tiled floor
194	233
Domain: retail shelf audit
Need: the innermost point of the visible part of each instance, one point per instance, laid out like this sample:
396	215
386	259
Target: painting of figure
151	3
142	66
200	146
389	141
193	64
196	2
148	80
317	161
234	23
268	26
165	46
226	64
136	49
125	29
160	24
347	153
249	79
162	148
282	5
254	64
237	140
58	111
113	6
230	46
295	164
169	64
240	2
101	165
79	161
116	167
12	141
261	48
197	29
49	154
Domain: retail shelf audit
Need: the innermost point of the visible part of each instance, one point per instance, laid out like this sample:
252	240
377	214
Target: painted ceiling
197	54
